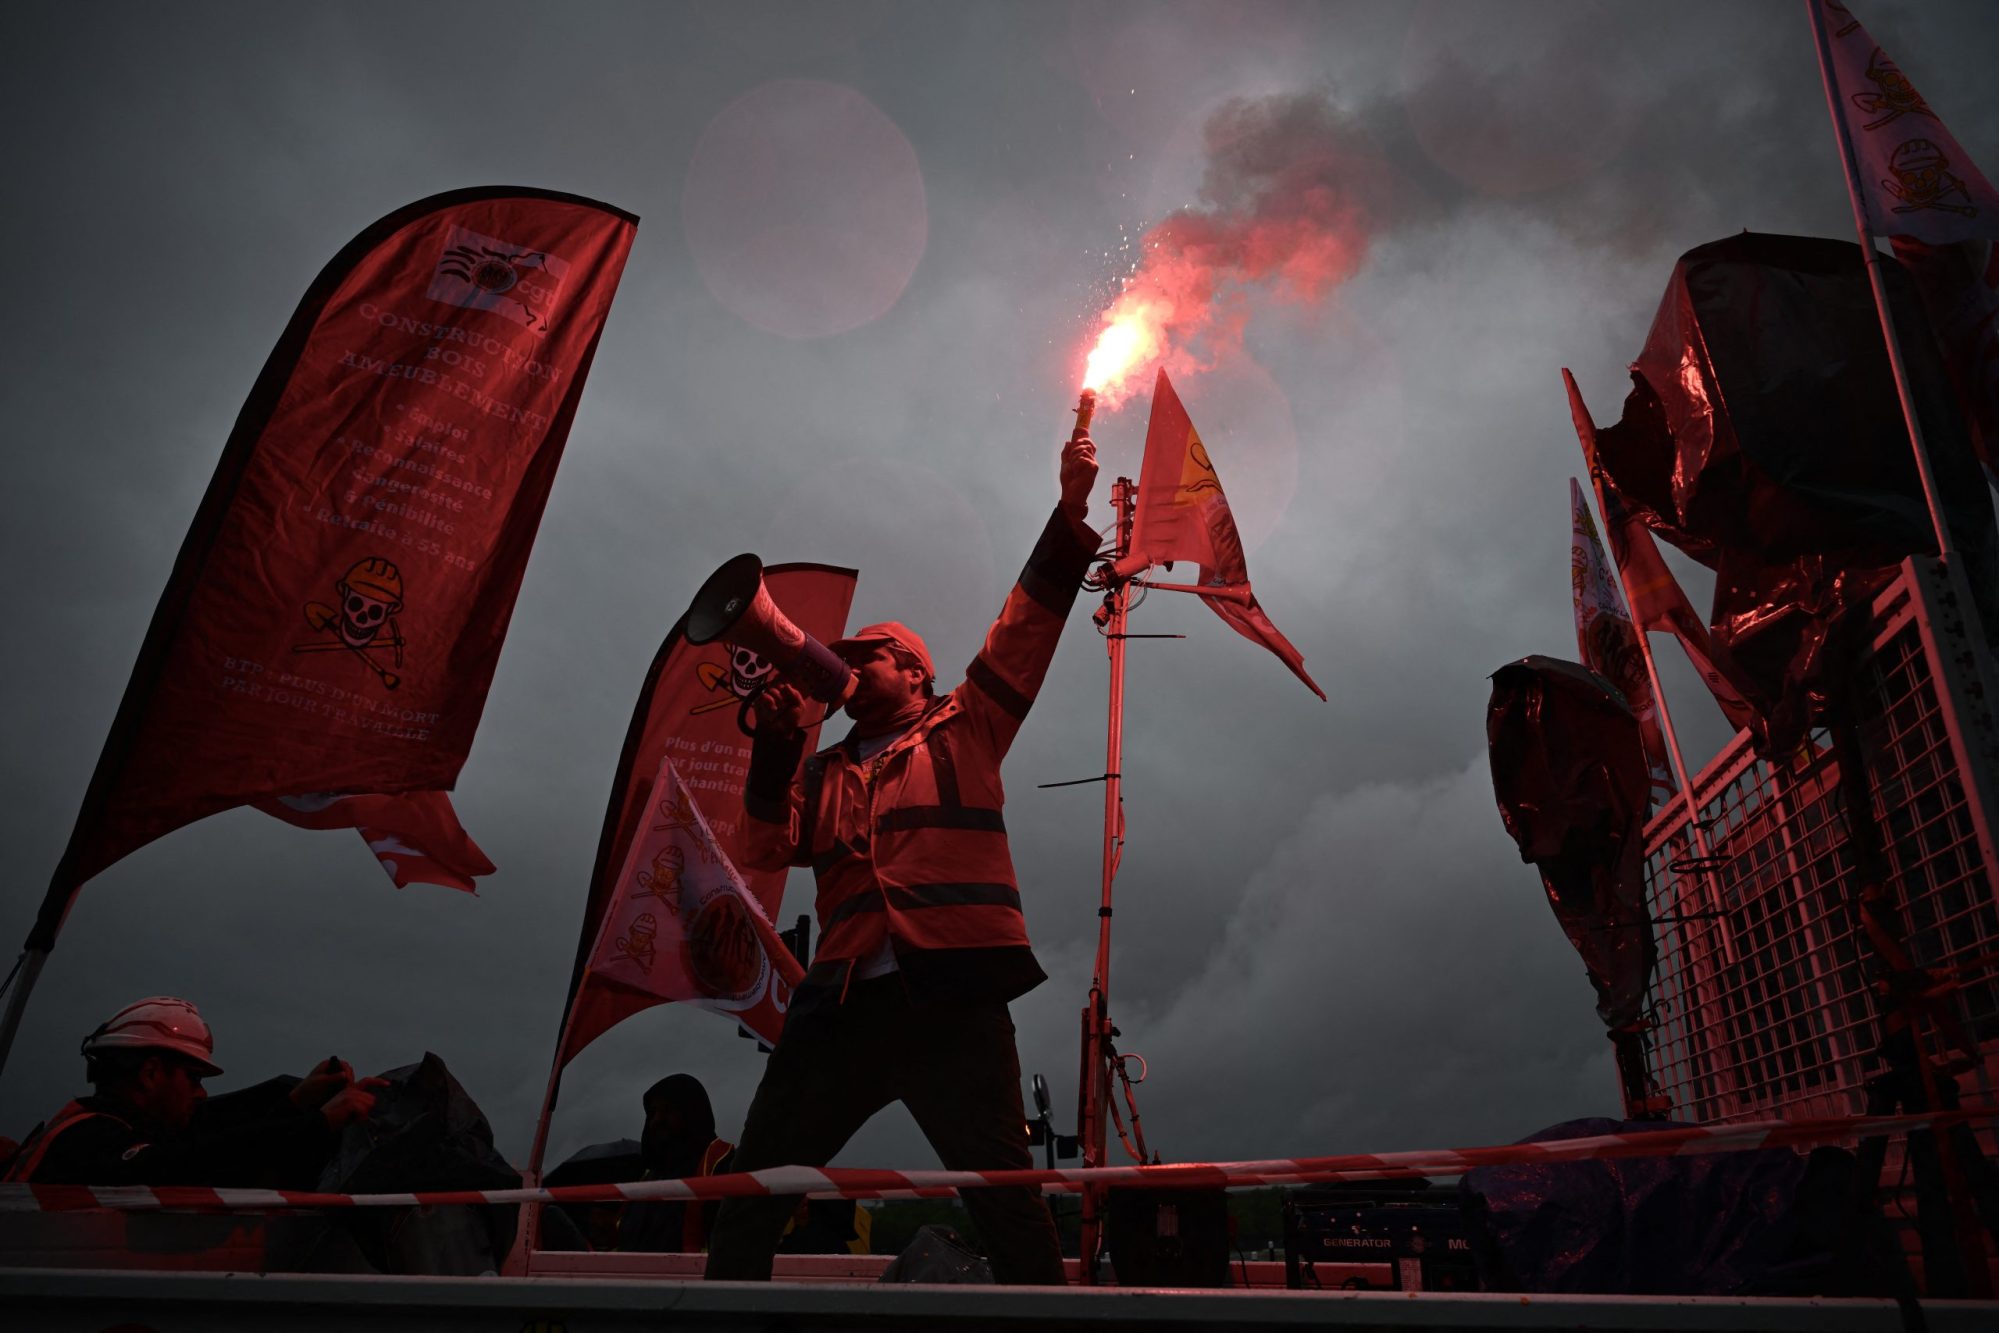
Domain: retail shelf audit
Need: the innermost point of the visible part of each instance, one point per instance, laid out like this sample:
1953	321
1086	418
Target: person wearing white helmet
147	1063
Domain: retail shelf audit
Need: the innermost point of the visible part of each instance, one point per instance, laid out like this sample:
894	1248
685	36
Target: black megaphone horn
735	605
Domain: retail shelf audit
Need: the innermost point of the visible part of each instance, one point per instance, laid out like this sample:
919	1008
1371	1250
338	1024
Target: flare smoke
1290	193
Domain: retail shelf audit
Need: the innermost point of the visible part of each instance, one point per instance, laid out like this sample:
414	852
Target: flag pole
1970	1246
528	1234
1094	1085
35	951
1703	854
1637	1079
25	972
1875	281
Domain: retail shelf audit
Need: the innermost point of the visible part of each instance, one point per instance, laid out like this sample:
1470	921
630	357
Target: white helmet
157	1023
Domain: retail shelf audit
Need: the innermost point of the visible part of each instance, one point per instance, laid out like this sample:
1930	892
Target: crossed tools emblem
363	621
746	674
676	812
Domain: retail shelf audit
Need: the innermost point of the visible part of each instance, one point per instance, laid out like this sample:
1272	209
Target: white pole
1710	894
1659	701
527	1236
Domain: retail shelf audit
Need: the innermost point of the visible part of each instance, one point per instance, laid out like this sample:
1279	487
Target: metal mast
1094	1085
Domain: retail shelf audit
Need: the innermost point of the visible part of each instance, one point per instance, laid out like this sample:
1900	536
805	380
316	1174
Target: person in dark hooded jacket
678	1142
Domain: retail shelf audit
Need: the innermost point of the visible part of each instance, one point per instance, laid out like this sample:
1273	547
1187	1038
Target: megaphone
734	605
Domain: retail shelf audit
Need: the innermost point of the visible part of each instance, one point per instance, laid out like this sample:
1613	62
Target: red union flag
684	738
332	622
1658	601
1911	175
683	926
1183	515
1917	186
1606	637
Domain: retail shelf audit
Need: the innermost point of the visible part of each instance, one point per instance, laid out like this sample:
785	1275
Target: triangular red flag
1918	187
684	736
1183	515
1606	638
1912	176
1658	601
683	926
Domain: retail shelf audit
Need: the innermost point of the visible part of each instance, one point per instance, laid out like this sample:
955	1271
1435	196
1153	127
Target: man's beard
886	715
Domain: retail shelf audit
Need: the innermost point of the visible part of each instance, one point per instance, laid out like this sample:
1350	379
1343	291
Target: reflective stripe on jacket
910	844
30	1156
694	1219
639	1224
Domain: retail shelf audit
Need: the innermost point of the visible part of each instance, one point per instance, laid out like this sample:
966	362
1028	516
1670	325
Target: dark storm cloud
1378	947
1292	192
1324	941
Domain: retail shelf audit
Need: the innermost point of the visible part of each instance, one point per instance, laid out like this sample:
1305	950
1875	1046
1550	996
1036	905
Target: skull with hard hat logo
363	621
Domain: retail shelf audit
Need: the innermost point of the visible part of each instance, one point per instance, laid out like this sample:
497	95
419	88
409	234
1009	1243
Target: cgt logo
485	273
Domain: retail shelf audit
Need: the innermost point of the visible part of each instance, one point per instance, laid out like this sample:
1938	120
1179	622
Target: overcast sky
1325	941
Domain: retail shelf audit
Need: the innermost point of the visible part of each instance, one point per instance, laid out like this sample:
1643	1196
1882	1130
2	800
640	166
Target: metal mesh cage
1760	1004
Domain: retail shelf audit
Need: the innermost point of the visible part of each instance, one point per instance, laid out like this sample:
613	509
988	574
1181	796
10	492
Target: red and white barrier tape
853	1183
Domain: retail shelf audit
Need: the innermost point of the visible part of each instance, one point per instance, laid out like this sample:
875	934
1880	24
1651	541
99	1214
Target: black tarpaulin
1766	1222
1569	773
425	1133
1763	436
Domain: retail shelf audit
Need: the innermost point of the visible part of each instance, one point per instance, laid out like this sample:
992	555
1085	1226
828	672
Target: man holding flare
922	940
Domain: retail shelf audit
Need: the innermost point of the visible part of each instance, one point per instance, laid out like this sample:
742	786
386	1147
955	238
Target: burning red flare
1292	194
1133	338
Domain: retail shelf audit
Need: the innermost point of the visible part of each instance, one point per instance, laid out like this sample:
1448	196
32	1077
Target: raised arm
1005	677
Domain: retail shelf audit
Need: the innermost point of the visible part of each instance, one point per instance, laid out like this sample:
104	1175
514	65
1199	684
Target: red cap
888	631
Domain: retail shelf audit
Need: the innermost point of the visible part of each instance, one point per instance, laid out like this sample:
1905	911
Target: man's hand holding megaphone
734	603
779	709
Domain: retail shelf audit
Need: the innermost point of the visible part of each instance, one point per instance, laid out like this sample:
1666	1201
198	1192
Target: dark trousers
953	1065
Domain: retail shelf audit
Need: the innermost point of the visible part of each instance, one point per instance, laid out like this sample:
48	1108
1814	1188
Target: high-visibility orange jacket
910	844
31	1153
657	1225
94	1140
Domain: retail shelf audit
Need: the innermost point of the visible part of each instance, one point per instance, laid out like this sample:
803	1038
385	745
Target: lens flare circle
804	208
1246	422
